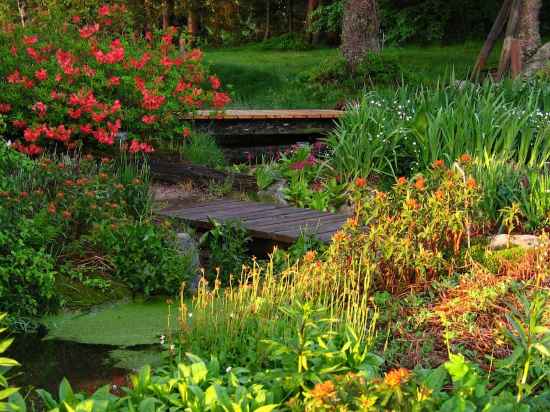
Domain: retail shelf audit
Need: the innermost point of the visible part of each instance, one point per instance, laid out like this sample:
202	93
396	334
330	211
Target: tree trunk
168	13
267	20
360	30
193	24
529	28
311	7
290	10
22	11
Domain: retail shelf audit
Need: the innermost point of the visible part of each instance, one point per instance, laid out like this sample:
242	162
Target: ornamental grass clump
86	81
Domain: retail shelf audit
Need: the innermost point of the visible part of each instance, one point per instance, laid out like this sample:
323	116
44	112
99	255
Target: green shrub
227	244
202	149
143	255
27	281
286	42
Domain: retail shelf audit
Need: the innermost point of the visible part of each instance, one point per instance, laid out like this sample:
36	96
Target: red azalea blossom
215	82
194	55
30	40
5	108
41	74
220	100
186	132
88	31
104	10
114	81
149	119
13	51
136	146
20	124
76	19
40	108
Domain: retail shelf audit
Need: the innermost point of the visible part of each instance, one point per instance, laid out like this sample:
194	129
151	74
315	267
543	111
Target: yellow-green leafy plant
10	400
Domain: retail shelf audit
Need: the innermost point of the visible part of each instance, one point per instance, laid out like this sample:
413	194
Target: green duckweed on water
122	324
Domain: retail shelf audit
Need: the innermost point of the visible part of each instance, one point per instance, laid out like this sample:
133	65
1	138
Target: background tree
360	30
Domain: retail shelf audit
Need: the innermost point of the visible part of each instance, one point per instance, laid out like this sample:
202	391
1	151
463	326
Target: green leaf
65	391
5	344
266	408
8	362
542	349
147	405
6	393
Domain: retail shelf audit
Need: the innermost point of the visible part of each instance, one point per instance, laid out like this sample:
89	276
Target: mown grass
268	79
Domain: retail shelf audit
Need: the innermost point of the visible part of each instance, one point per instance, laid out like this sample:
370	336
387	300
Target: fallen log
180	171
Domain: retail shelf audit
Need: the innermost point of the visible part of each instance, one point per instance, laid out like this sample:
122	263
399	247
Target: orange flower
90	193
465	158
381	195
119	186
24	194
61	195
136	181
360	182
339	236
352	222
310	256
61	165
420	183
103	176
471	183
323	392
412	204
114	226
51	208
88	157
105	160
396	377
439	195
93	206
401	181
69	182
114	206
438	164
67	214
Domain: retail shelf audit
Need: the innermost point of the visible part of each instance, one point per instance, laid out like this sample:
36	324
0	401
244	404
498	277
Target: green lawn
267	79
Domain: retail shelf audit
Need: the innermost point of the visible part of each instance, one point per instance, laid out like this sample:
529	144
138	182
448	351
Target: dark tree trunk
168	13
360	30
529	27
193	23
311	7
290	10
267	33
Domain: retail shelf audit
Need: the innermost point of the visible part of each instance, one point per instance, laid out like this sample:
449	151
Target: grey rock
504	241
188	246
274	193
540	61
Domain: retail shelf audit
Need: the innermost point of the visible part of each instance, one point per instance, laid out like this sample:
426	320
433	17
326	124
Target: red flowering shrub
86	82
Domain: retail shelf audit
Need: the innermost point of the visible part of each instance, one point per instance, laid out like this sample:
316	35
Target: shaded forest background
235	22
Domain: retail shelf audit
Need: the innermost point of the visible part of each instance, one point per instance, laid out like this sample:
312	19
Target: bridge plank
266	114
265	221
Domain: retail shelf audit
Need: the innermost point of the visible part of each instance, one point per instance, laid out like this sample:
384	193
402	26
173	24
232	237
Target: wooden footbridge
237	128
282	224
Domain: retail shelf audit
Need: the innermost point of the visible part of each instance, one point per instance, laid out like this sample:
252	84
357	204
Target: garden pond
92	348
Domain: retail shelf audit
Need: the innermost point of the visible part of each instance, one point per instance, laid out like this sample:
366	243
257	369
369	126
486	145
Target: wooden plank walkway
301	114
263	221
